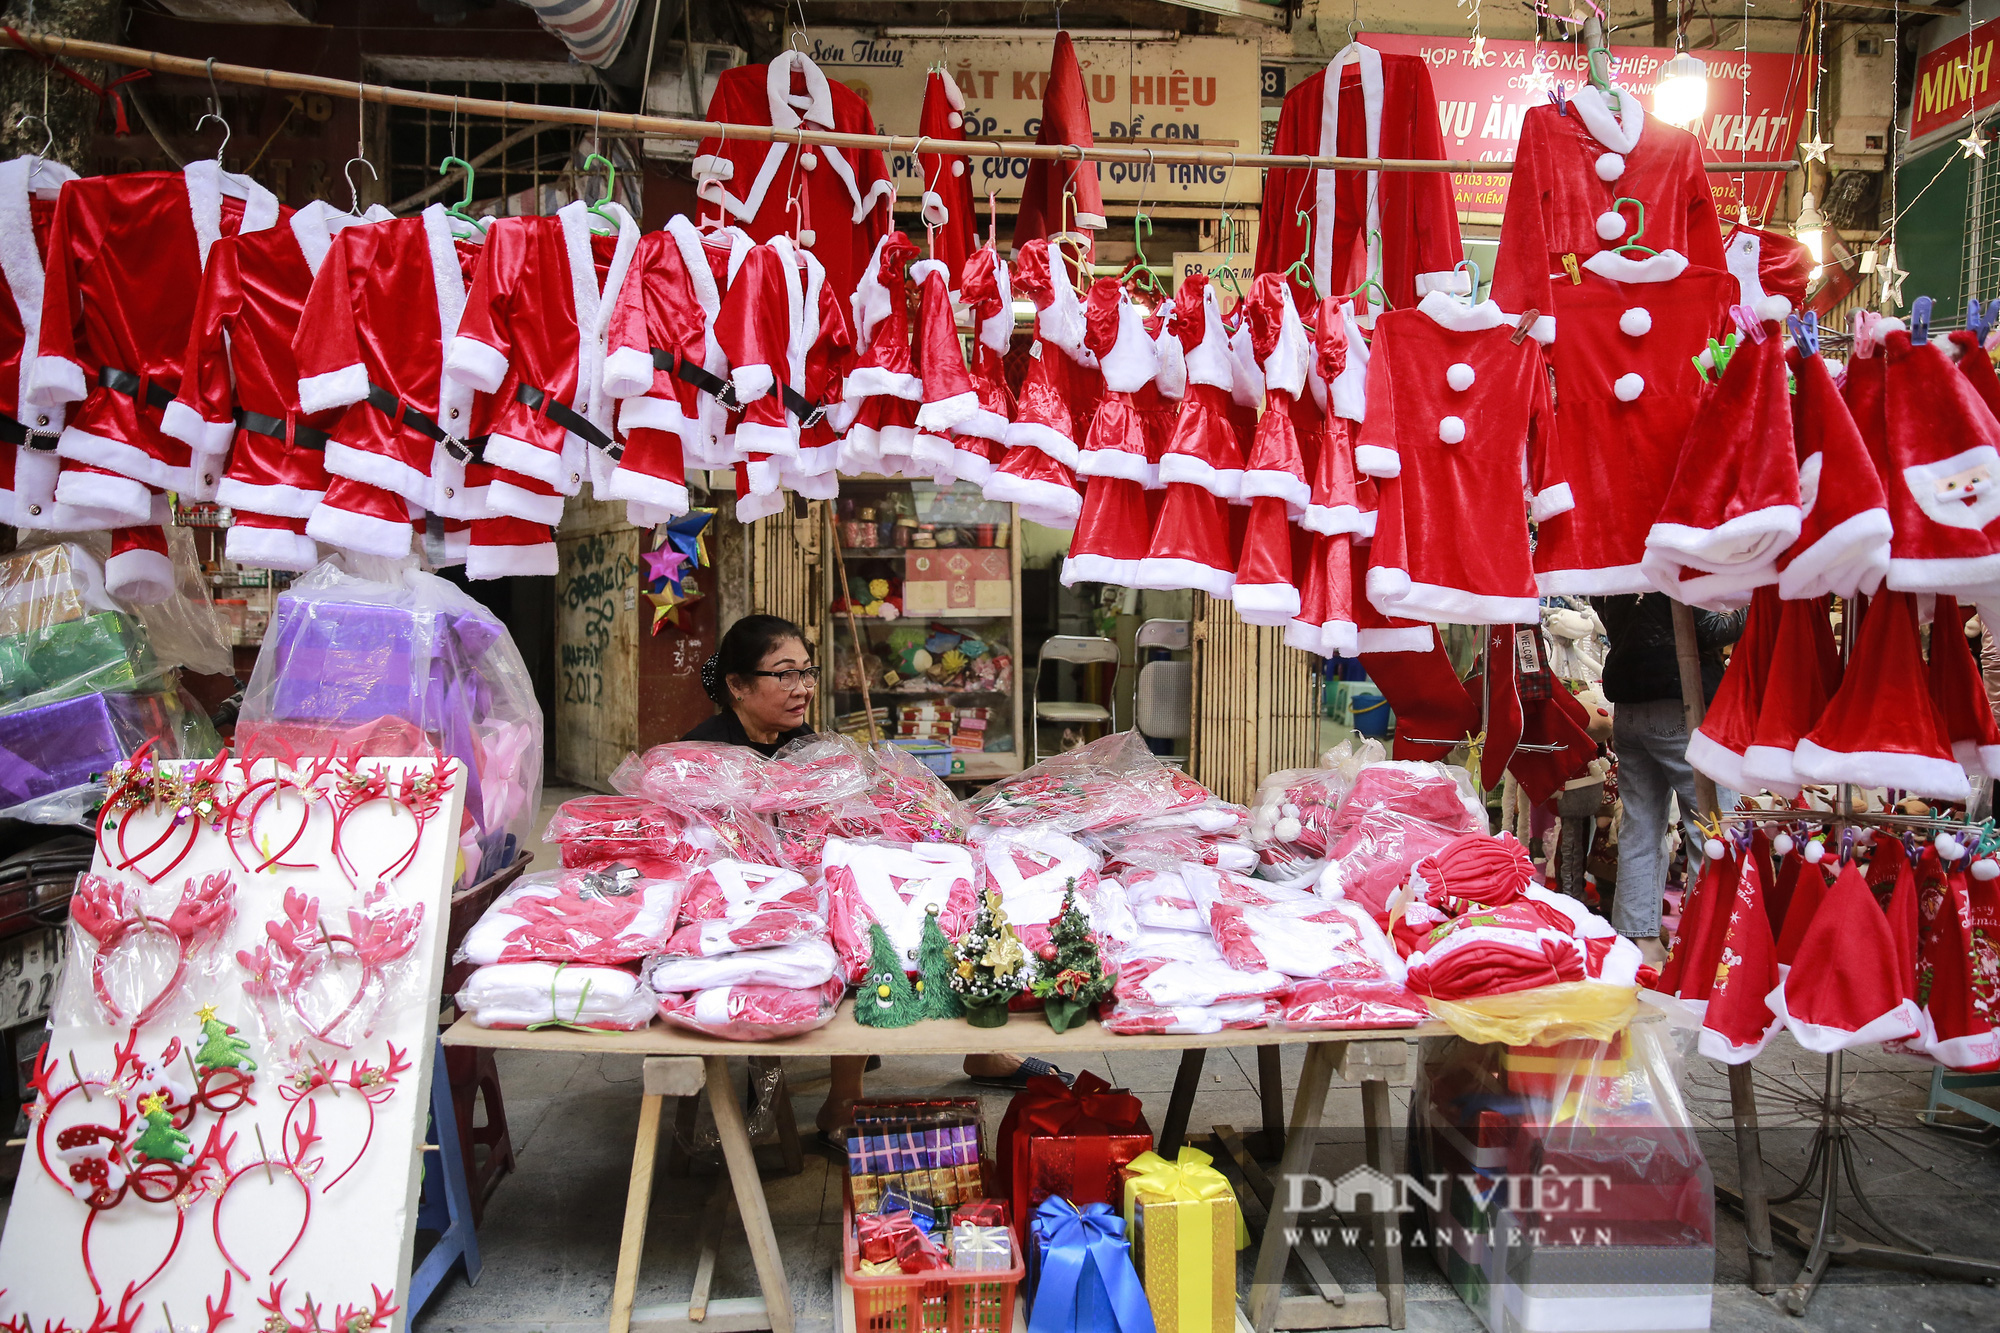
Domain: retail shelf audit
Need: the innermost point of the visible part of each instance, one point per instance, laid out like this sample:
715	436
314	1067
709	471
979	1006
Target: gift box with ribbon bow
982	1249
1069	1140
1080	1274
1185	1229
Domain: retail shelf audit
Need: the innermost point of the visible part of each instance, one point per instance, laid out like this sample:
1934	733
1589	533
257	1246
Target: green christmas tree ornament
935	963
159	1141
988	965
221	1048
1071	977
886	999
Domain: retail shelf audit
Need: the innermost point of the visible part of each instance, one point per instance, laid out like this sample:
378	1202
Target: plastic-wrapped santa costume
1458	414
239	378
28	466
842	193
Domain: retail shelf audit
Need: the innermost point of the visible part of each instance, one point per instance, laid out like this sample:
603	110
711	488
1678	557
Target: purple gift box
62	745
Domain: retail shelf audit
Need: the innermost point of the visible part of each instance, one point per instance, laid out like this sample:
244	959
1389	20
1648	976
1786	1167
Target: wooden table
684	1064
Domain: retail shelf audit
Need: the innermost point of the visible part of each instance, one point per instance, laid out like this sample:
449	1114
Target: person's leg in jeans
1643	785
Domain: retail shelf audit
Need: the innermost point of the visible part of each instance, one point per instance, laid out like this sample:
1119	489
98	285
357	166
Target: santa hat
1960	1031
1716	748
1904	927
1325	622
139	571
1977	366
1808	894
1065	120
1691	963
1434	714
1203	449
1843	542
1769	267
949	398
1941	444
1960	695
947	207
1843	989
1881	729
267	541
1739	1020
1800	678
1733	506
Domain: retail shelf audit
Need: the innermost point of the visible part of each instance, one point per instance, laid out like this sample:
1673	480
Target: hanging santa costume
1061	195
239	378
843	195
1729	725
1882	729
979	441
1805	670
950	397
1845	987
880	397
1276	547
1036	470
28	466
1326	623
1399	226
1844	532
1192	543
1960	694
947	209
1458	414
1120	478
384	306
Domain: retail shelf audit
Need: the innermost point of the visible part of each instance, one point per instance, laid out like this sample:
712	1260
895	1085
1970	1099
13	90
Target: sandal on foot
1030	1067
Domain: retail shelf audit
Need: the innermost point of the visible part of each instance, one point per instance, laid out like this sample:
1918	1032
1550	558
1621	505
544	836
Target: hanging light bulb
1811	231
1681	94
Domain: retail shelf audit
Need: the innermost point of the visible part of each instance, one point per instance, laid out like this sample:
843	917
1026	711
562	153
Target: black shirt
1642	664
726	727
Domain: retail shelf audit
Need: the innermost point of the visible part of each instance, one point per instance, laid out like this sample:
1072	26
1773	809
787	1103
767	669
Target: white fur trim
1629	386
643	488
277	501
378	470
127	460
711	167
628	372
1754	538
1035	435
1449	281
1368	66
1451	430
1919	774
448	289
985	424
1210	362
1724	766
1133	360
1609	166
1265	603
948	413
1375	461
206	182
470	361
1636	322
1722	1050
1223	483
1045	502
1088	568
516	455
271	548
1976	759
505	497
140	576
1118	463
336	388
654	414
1840	558
313	227
1903	1019
21	263
1620	131
203	437
55	380
1458	316
871	301
753	437
1460	376
499	562
1553	500
1606	582
1169	574
1286	367
1262	483
1773	309
1395	639
1662	267
1950	574
971	467
873	381
364	533
1394	593
1331	520
1769	767
750	508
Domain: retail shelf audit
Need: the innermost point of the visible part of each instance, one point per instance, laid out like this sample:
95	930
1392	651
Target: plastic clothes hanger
1142	277
1373	282
1637	232
1225	229
1301	269
1471	297
1599	61
457	212
353	190
598	209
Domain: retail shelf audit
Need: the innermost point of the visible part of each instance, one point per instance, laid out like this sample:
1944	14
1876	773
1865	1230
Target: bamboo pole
671	127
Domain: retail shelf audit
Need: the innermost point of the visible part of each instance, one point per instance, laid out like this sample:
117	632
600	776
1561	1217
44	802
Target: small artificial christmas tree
1071	977
886	998
988	962
221	1048
935	964
159	1141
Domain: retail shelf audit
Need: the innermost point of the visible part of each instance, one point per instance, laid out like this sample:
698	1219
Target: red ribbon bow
1088	1107
1088	1113
105	92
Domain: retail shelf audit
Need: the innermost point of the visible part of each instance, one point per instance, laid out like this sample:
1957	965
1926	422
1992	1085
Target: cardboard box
958	580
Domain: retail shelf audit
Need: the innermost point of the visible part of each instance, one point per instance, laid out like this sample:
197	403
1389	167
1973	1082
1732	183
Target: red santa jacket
1383	107
28	466
1458	415
534	336
124	272
1570	169
843	194
240	385
947	208
372	340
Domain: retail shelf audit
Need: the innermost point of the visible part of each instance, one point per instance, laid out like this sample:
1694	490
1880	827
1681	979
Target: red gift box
1069	1140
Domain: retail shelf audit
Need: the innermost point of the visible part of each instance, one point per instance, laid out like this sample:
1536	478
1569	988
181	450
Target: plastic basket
941	1301
933	755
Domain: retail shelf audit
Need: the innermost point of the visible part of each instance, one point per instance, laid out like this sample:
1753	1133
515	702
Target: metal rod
672	127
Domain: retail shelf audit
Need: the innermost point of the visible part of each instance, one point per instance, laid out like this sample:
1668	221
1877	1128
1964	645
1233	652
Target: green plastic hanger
1301	270
1599	63
1373	281
598	209
457	212
1142	276
1638	231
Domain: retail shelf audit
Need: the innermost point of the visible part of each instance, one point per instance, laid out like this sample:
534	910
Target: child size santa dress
1120	476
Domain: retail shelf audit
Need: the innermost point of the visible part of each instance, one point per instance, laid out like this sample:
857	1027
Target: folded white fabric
792	966
1161	900
519	995
1179	969
604	914
1132	1018
1340	939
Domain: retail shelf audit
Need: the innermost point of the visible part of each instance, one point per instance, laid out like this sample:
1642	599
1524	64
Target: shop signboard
1954	81
1214	262
1174	92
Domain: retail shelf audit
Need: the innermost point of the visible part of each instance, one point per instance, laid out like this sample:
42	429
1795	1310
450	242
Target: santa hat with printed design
1960	695
1960	1031
1943	446
1843	989
1739	1020
949	397
1275	547
1061	194
947	207
1881	728
1728	727
1691	966
1843	542
1801	676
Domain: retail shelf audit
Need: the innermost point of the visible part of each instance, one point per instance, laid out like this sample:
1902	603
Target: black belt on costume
138	390
721	390
302	435
13	432
552	407
424	424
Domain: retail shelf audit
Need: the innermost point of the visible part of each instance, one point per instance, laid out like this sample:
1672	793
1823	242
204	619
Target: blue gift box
1080	1274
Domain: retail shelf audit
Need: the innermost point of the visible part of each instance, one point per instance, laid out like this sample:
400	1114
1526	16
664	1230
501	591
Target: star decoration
665	564
1813	149
205	1014
1973	145
1889	278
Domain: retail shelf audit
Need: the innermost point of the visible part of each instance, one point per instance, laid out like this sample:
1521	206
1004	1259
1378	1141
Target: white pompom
1459	376
1288	830
1610	225
1636	322
1629	386
808	160
1713	849
1782	845
1289	810
1815	851
955	119
1948	847
958	168
1610	166
808	237
1773	308
1986	869
1451	430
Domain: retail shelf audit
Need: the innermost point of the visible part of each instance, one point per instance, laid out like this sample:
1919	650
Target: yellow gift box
1185	1230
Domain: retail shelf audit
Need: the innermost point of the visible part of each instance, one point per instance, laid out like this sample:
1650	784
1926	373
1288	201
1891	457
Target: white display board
295	1192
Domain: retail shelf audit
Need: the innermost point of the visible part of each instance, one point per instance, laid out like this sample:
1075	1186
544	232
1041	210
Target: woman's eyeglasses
791	680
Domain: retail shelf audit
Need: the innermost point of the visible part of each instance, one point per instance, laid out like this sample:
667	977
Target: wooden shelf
891	552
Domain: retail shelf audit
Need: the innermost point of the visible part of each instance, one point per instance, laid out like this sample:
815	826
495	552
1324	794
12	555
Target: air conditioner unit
1864	96
668	92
